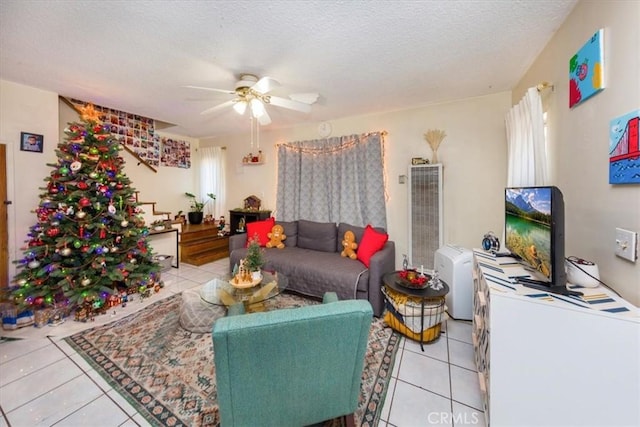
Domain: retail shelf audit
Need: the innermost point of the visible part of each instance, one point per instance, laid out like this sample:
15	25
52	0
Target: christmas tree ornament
81	214
75	166
124	223
85	281
111	209
64	171
93	175
82	185
84	202
77	244
65	251
34	264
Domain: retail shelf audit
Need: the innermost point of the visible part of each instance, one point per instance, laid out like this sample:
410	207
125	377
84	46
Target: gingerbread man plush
276	237
350	245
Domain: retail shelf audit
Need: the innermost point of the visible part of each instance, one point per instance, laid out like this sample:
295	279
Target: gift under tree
90	238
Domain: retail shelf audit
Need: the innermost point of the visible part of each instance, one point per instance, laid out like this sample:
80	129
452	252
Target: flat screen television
534	235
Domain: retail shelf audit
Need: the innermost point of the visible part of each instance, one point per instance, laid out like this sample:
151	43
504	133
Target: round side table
411	308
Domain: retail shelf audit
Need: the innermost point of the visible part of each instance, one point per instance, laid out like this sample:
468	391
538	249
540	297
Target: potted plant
255	258
195	214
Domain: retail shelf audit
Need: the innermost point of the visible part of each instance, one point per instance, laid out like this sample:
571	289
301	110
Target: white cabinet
548	360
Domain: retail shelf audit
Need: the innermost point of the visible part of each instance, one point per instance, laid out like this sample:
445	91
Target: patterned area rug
167	373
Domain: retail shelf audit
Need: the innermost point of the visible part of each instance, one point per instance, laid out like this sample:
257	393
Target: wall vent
425	214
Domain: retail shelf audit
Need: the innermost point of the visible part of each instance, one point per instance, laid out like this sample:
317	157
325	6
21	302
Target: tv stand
547	287
578	362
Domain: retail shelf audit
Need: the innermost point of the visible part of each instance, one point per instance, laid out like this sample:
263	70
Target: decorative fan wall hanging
252	92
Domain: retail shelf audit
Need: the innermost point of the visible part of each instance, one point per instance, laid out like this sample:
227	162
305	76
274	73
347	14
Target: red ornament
97	128
38	301
83	185
53	232
84	202
103	233
85	249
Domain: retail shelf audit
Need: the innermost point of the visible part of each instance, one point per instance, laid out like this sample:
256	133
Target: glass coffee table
220	291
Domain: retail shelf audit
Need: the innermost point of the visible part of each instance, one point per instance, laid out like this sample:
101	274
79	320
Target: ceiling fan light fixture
240	107
257	107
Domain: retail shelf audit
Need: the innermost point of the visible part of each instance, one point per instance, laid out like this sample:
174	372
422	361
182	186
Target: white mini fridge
454	265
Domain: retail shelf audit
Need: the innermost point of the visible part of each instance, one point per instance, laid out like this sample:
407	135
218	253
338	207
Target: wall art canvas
624	150
586	70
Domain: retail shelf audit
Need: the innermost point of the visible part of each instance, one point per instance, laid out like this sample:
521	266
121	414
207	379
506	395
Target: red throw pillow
372	241
261	228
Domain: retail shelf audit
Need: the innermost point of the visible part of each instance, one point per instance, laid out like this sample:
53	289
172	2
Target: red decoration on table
417	280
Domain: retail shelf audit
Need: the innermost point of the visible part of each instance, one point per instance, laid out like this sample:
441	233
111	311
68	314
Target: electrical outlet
627	244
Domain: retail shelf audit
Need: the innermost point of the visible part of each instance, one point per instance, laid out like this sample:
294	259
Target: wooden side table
404	305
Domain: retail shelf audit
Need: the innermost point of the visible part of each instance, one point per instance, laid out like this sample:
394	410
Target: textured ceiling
362	57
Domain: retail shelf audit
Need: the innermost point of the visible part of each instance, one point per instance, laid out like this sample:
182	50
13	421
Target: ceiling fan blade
230	92
264	119
265	84
305	98
290	104
219	107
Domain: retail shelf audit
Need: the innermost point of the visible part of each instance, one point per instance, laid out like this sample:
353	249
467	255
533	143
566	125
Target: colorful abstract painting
624	150
586	70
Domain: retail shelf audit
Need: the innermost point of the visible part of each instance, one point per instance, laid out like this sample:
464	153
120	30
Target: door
4	234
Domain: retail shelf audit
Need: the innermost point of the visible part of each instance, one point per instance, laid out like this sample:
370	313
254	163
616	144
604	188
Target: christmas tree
90	239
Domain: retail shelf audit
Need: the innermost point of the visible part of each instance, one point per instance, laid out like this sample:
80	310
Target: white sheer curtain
527	154
212	173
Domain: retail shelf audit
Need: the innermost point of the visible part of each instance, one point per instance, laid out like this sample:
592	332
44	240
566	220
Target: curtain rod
545	85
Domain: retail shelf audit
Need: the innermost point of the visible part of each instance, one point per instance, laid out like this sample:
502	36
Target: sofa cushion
291	231
372	241
317	236
315	272
261	228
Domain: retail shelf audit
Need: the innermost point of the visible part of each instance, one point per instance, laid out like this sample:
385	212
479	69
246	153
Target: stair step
200	244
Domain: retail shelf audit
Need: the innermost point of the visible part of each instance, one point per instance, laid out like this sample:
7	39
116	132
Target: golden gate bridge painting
624	150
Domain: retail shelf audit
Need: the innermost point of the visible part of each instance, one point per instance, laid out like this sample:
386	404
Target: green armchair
291	367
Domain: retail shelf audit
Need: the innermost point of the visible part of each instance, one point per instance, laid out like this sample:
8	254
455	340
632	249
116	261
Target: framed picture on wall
31	142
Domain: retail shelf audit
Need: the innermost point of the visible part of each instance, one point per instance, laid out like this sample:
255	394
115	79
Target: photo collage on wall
138	134
176	153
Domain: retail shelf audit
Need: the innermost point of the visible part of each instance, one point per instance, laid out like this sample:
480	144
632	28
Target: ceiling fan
253	93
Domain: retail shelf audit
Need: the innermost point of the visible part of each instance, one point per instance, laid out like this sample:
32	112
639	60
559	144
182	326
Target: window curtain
338	179
527	154
212	173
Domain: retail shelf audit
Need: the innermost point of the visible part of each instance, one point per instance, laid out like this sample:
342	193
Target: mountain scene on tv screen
528	226
533	204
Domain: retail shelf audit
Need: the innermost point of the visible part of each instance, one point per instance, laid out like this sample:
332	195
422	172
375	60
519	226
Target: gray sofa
311	261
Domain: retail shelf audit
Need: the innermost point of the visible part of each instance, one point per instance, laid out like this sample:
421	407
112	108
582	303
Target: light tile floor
43	382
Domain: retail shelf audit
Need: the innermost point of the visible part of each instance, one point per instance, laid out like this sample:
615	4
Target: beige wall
473	155
25	109
580	136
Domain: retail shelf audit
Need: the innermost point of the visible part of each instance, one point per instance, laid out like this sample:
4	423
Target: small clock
324	129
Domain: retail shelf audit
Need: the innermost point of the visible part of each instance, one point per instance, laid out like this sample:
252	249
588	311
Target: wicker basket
405	315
